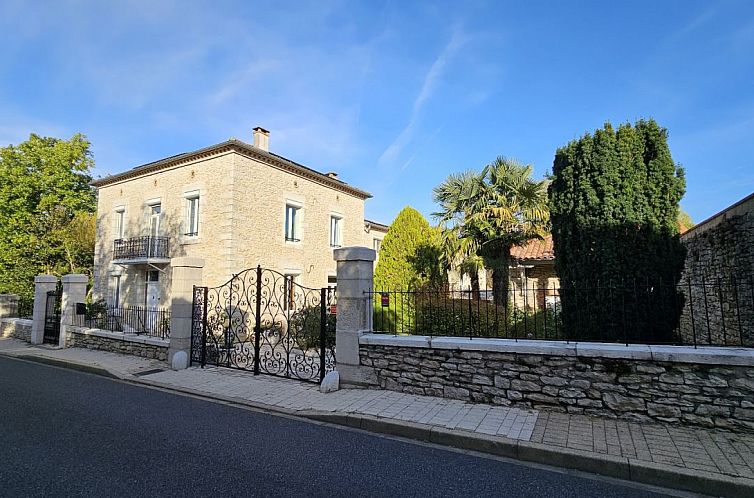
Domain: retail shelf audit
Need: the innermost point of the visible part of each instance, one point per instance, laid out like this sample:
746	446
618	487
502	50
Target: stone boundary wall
18	328
720	253
710	387
103	340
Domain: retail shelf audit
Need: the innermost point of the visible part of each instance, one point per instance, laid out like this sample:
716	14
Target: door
154	229
152	299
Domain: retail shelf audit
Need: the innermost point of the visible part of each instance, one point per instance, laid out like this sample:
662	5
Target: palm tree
491	212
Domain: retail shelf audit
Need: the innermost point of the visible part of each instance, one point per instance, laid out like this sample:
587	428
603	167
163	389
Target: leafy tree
488	213
614	202
684	220
44	186
409	260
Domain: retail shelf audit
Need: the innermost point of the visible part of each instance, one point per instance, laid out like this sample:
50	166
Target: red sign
333	309
385	299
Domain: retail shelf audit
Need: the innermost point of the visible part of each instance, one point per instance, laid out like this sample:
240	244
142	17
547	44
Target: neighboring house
233	204
533	282
374	233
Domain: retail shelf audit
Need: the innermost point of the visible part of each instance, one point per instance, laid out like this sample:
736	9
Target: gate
52	317
263	321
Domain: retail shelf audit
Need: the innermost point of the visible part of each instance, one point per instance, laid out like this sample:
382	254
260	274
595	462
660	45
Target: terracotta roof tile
535	250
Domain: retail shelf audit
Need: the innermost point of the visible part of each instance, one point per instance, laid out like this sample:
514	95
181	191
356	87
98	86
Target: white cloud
431	79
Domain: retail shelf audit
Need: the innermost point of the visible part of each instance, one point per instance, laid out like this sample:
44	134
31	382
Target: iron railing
127	319
719	312
147	246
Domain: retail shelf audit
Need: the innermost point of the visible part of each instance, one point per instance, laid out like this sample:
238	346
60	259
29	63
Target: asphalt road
66	433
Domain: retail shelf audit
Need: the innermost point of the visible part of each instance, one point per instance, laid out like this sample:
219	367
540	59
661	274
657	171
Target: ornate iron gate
52	317
263	321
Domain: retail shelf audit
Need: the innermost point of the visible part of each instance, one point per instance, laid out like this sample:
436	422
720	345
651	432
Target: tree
409	260
492	211
684	221
614	202
44	185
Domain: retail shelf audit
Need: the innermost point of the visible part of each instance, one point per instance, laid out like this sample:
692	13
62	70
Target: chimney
261	138
332	175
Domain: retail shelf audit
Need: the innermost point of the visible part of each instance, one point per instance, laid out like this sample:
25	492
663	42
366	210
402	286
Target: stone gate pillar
74	291
355	267
42	285
187	272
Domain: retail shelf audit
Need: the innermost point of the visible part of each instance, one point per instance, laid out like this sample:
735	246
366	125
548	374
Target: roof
535	250
244	149
373	225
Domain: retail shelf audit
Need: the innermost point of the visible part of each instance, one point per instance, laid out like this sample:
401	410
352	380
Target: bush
304	327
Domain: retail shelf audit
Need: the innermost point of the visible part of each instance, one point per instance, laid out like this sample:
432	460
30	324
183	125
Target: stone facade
243	192
146	347
704	393
17	328
720	269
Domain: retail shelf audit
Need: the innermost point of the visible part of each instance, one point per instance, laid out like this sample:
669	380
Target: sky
392	95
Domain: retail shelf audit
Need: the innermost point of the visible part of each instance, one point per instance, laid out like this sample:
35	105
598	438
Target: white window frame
193	204
120	222
376	244
336	230
290	276
117	280
292	230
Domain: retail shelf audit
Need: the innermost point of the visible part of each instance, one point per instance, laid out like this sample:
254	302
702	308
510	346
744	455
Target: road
66	433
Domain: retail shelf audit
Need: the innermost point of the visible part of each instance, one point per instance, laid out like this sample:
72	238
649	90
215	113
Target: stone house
533	281
235	205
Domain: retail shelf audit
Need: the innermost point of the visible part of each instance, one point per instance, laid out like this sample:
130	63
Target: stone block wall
639	388
720	255
15	327
146	347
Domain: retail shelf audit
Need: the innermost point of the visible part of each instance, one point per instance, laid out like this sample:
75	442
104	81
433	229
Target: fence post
8	306
42	285
355	277
187	272
74	291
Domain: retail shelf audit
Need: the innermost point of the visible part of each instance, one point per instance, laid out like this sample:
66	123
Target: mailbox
80	308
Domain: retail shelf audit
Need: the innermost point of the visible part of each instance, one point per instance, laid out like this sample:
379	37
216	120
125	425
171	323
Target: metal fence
719	312
129	320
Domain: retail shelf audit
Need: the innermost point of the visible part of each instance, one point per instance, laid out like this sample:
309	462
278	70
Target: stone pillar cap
354	253
45	279
75	278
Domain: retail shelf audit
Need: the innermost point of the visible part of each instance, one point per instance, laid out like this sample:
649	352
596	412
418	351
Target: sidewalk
713	462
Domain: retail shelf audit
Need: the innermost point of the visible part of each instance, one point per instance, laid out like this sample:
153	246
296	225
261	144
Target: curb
628	469
71	365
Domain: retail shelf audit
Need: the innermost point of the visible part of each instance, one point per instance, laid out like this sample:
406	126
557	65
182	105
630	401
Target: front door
152	299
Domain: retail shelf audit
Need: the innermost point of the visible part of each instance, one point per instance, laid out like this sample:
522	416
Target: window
291	223
336	228
154	219
192	216
119	223
153	276
332	281
376	245
289	291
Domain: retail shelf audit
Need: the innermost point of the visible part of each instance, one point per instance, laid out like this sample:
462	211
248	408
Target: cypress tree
409	260
614	202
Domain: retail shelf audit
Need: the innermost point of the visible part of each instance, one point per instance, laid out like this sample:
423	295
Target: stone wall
103	340
720	267
711	387
17	328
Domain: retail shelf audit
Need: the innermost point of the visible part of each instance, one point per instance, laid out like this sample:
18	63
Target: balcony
146	249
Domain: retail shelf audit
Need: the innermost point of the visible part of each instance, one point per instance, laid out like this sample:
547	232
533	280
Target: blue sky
393	95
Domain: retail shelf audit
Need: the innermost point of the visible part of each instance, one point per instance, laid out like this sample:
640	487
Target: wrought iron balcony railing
145	247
